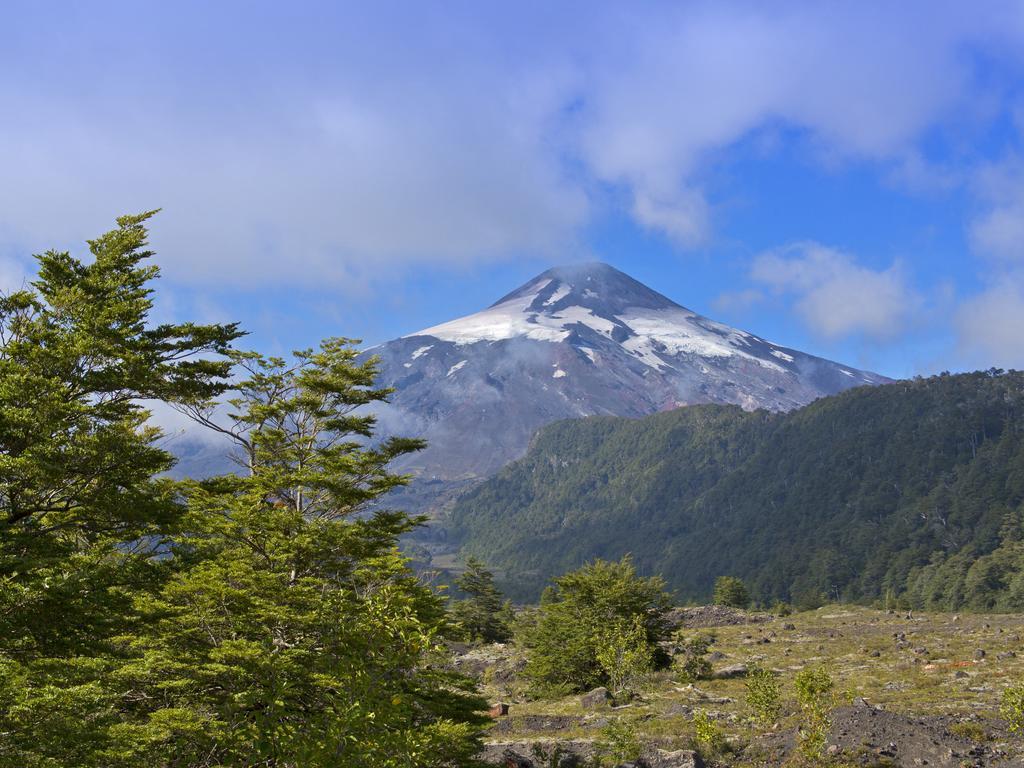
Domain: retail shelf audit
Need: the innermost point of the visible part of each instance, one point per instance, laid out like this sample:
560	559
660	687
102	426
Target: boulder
599	697
733	670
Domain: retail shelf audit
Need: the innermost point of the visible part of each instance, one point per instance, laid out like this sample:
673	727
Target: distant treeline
909	492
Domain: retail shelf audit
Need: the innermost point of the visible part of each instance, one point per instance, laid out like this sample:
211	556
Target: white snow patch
407	365
422	351
558	374
843	370
677	332
590	294
456	367
560	293
782	355
589	353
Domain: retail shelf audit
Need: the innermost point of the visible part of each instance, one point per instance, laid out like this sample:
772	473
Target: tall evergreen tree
293	633
484	615
81	512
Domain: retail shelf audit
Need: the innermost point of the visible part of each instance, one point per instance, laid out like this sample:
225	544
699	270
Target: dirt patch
873	734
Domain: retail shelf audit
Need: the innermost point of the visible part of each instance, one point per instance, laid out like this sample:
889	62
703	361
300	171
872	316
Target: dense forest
910	491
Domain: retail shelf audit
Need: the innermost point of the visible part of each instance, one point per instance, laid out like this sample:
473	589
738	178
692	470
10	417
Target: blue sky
844	178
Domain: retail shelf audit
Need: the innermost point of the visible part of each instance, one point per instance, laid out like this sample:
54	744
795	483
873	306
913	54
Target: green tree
483	615
575	614
764	695
292	633
625	655
731	592
82	509
816	697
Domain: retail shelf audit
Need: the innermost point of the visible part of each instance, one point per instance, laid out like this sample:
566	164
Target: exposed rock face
572	342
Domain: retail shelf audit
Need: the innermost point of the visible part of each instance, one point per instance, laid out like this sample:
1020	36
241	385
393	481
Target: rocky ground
913	690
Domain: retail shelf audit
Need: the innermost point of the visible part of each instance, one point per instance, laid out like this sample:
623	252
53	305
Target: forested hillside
911	490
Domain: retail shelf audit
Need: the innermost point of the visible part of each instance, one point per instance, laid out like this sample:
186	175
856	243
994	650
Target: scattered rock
498	710
682	758
733	670
712	616
1006	655
979	654
789	626
599	697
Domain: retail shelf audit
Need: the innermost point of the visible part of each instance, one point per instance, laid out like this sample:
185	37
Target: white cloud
835	296
989	325
998	231
320	148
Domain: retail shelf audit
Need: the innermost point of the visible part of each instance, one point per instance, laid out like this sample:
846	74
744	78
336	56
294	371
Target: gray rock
599	697
682	758
733	670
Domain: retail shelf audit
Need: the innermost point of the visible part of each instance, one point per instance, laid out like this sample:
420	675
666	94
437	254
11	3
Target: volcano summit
578	341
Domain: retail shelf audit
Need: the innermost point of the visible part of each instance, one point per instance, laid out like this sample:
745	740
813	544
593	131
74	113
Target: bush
1012	708
731	592
710	738
691	661
625	656
618	743
483	616
764	695
816	697
577	615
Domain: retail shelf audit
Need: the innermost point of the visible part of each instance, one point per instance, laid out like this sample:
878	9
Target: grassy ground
923	665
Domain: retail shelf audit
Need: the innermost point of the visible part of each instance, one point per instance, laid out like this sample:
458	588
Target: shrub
816	697
625	655
691	662
709	735
969	730
618	742
1012	708
575	615
731	592
764	695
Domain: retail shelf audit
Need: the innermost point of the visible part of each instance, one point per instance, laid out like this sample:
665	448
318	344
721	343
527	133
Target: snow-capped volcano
578	341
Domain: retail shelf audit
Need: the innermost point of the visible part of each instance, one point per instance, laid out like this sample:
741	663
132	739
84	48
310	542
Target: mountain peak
594	285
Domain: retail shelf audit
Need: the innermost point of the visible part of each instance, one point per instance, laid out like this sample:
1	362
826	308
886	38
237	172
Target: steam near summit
577	341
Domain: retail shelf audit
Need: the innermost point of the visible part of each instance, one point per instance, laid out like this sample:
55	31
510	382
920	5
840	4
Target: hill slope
901	487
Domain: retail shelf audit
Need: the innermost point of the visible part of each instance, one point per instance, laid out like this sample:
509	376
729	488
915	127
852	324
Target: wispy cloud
835	296
327	147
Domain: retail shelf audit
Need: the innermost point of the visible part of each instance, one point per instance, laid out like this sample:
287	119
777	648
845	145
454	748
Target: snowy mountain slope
578	341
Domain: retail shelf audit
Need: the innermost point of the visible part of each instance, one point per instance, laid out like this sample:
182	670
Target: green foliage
731	592
483	615
691	657
293	631
618	742
781	608
764	695
709	735
81	510
920	481
1012	708
970	730
575	615
264	618
625	655
816	698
